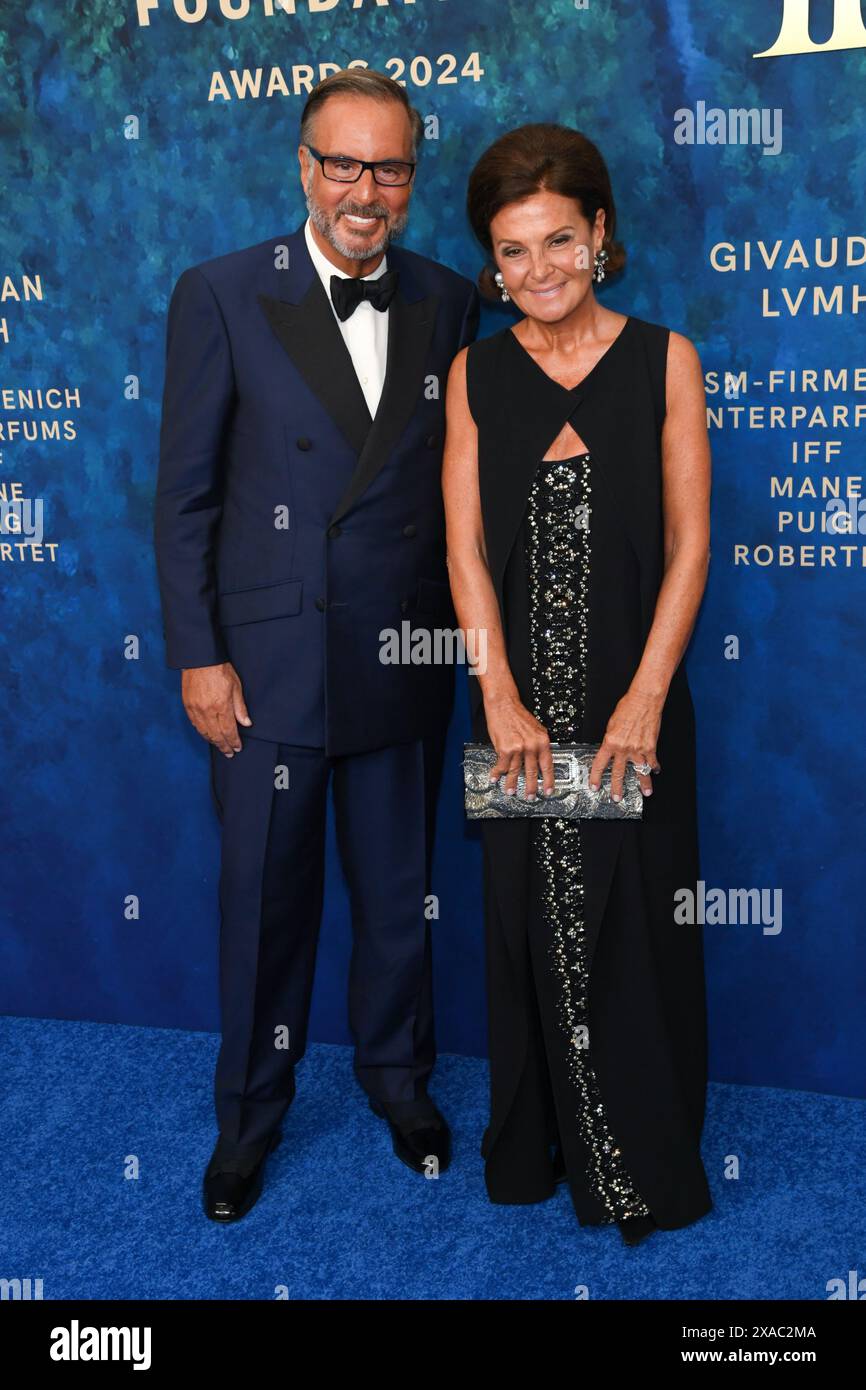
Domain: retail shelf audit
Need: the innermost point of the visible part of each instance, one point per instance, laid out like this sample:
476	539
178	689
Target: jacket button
304	442
404	604
334	531
321	605
430	441
410	530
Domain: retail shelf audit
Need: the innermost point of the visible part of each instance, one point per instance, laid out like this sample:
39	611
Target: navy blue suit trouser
271	799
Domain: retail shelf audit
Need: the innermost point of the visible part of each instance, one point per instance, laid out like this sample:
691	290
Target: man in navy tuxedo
298	519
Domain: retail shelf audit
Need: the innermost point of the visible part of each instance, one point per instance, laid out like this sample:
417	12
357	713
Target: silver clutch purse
573	797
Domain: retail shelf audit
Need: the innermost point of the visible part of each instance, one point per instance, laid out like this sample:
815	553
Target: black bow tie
347	292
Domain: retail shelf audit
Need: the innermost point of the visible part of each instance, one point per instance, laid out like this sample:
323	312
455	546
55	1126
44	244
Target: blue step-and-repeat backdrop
140	138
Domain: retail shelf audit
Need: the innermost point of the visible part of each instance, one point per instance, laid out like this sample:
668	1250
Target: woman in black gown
576	480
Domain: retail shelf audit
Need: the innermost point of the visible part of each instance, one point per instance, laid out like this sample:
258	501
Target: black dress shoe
233	1178
419	1132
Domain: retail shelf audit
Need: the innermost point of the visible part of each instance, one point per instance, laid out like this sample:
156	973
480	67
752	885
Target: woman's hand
520	741
631	736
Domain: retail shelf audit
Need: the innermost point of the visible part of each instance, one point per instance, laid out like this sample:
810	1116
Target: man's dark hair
360	82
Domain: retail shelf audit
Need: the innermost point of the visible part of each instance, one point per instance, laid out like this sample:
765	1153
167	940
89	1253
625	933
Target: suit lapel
309	333
300	316
410	328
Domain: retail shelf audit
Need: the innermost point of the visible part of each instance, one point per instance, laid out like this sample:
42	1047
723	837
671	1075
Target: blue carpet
340	1217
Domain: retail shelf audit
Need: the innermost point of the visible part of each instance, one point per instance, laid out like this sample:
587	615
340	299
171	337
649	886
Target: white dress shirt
365	332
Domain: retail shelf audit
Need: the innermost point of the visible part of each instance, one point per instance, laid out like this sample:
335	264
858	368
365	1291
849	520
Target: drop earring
598	268
498	277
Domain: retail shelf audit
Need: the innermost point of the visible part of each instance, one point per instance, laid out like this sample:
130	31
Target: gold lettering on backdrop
196	11
817	516
813	300
246	84
849	30
831	511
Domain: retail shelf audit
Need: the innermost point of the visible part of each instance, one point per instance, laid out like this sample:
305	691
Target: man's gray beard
325	222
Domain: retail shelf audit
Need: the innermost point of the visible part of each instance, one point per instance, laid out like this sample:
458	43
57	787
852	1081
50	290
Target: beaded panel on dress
558	562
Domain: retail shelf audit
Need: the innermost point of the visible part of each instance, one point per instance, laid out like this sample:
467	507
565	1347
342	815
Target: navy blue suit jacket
291	529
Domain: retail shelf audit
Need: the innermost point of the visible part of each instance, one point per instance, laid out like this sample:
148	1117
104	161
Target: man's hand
214	700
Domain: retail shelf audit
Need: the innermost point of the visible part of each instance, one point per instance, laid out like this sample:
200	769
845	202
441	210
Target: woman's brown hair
531	158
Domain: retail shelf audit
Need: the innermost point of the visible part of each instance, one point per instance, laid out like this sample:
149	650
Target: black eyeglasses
391	173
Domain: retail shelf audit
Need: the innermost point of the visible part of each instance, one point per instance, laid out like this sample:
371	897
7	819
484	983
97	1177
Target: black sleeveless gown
612	1075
